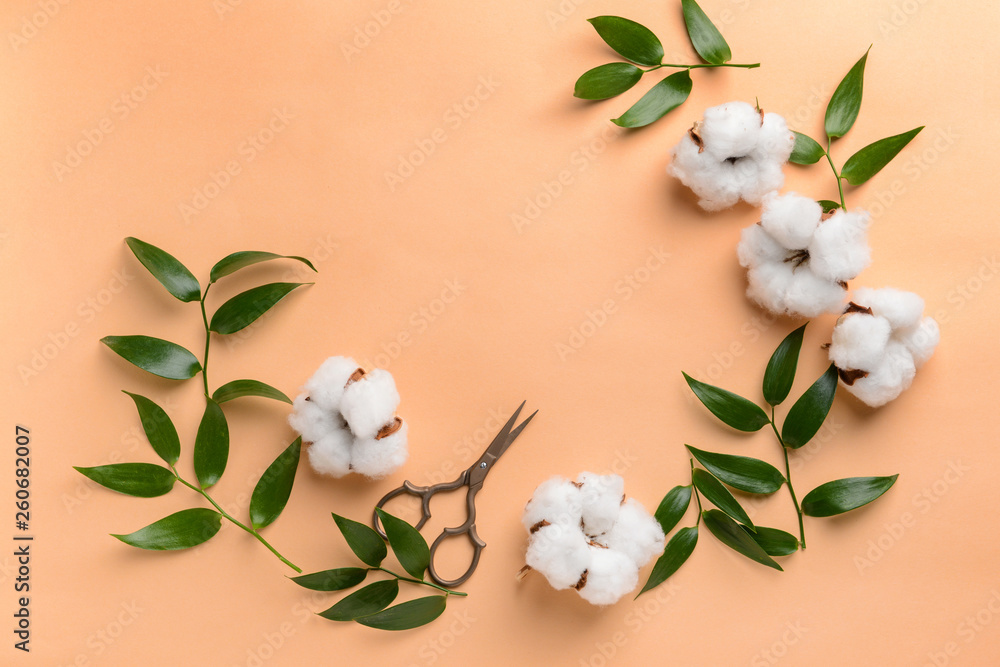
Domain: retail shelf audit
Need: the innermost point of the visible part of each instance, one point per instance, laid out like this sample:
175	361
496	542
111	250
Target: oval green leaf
631	40
211	445
705	37
869	160
407	544
678	550
672	507
241	388
773	541
780	371
243	309
411	614
371	599
807	150
181	530
662	98
165	268
363	540
240	260
718	495
741	472
275	486
143	480
844	495
155	355
736	538
332	580
159	429
845	103
734	410
606	81
807	414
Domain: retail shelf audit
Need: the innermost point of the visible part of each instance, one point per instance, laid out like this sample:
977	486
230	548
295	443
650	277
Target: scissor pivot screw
483	464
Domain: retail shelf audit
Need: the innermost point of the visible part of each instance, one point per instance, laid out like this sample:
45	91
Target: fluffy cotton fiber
349	419
880	342
735	153
585	535
797	262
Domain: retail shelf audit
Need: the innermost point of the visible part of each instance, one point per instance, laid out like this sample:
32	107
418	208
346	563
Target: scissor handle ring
477	545
422	492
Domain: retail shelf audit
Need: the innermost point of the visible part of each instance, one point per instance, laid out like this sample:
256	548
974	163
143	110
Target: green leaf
741	472
631	40
243	309
705	37
807	414
407	544
672	507
172	274
211	445
773	541
780	372
240	260
332	580
732	409
678	550
807	150
159	429
662	98
181	530
844	495
606	81
271	493
363	540
869	160
845	103
155	355
143	480
241	388
828	205
736	538
411	614
369	600
719	496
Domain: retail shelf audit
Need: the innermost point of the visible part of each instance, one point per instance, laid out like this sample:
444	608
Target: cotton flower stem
788	478
208	339
701	65
840	180
420	581
200	491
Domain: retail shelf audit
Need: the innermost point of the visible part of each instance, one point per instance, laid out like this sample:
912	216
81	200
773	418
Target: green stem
788	478
421	581
840	183
695	490
701	65
208	339
226	514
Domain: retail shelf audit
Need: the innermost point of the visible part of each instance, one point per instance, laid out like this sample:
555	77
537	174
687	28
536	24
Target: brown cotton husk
389	429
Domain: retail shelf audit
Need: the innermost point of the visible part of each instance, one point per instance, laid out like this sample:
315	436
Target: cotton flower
798	261
585	535
880	341
736	152
349	417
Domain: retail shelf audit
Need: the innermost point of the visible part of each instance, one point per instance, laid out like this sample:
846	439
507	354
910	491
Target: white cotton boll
610	576
901	308
790	219
311	421
708	178
839	248
922	340
378	458
602	497
775	142
809	295
326	385
893	374
858	341
636	534
560	553
730	130
331	454
556	500
768	284
370	403
757	247
767	177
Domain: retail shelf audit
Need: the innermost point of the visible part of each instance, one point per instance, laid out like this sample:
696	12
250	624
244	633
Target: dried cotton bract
798	261
880	342
349	417
585	535
735	153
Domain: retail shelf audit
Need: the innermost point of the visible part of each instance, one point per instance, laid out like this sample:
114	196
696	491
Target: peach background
319	189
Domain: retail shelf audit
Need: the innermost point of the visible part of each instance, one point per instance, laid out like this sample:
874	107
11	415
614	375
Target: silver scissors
473	478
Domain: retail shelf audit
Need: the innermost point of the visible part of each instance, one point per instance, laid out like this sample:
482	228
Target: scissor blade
500	446
504	433
513	434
